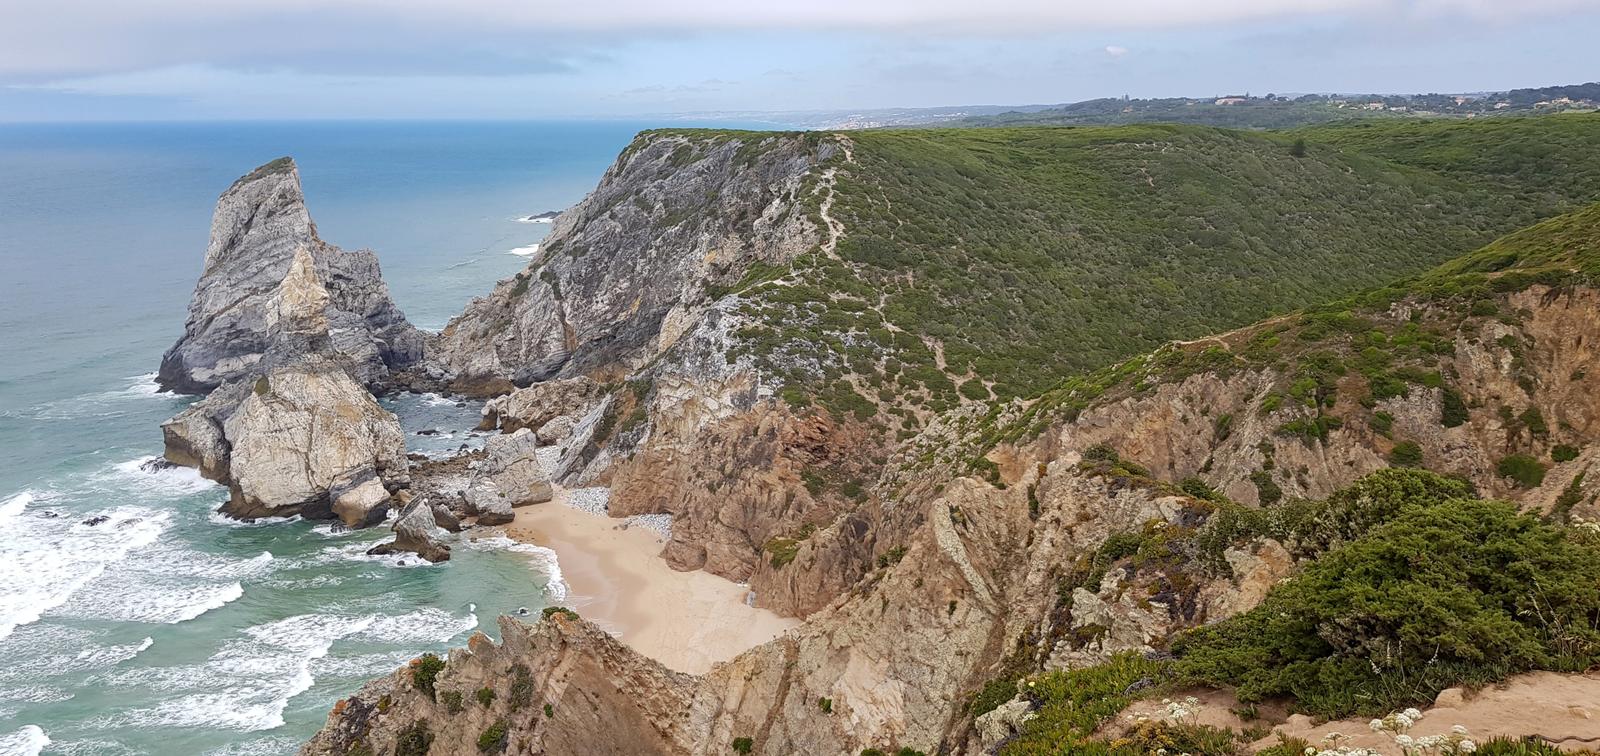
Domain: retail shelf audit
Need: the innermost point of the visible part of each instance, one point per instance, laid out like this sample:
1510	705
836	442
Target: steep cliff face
628	270
259	227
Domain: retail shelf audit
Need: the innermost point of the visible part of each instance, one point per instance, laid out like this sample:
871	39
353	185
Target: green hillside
1027	254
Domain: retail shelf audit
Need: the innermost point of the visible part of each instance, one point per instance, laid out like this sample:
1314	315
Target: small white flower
1412	714
1375	725
1459	729
1466	746
1311	751
1403	740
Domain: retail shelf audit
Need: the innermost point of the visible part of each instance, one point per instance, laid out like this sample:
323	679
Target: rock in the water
444	518
301	432
361	503
267	275
414	532
512	464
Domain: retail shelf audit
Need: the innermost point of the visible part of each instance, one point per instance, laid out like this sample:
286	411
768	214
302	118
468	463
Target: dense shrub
1564	453
1452	408
1455	592
1075	703
1522	468
1406	454
493	738
424	670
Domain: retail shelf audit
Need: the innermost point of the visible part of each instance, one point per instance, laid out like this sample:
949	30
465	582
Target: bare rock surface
511	465
416	531
237	320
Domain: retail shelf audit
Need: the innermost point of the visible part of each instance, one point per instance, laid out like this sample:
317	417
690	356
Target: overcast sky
205	59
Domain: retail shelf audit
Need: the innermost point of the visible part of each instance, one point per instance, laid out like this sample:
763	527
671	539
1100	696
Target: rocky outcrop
265	270
415	532
305	438
541	404
628	270
512	467
560	687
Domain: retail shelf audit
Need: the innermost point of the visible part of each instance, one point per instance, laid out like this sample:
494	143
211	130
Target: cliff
826	428
234	328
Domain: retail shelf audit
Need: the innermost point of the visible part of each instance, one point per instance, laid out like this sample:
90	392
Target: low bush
493	739
1459	591
424	670
1522	468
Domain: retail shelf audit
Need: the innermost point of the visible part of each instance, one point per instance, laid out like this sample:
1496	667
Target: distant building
1230	100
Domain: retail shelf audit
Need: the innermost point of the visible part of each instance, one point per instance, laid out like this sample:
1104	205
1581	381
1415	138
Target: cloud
45	40
1116	51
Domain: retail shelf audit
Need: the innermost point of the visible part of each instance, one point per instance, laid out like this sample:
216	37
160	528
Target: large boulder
512	464
415	531
486	502
305	438
261	234
536	405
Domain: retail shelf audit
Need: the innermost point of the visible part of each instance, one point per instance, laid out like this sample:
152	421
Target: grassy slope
1032	253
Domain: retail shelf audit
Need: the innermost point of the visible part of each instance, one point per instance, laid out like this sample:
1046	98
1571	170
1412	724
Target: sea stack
235	327
287	335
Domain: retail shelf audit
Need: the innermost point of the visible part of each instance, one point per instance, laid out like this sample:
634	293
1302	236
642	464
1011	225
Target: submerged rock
254	287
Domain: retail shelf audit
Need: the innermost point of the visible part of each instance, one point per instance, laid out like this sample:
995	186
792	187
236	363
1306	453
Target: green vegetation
452	701
1449	591
551	611
494	738
1527	471
424	670
485	696
1077	702
743	745
1406	454
1563	453
414	740
521	688
1023	254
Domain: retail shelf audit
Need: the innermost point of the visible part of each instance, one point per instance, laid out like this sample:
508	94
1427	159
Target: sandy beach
616	578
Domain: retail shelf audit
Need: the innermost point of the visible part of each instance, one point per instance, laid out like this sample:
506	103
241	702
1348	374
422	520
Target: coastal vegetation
991	262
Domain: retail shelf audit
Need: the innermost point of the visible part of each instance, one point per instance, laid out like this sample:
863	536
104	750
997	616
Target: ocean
133	619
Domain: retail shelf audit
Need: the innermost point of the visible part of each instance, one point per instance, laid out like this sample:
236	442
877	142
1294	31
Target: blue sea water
164	628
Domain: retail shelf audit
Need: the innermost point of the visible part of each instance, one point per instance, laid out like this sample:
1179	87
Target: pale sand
616	578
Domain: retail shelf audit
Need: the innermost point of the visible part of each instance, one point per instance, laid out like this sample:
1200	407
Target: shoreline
617	579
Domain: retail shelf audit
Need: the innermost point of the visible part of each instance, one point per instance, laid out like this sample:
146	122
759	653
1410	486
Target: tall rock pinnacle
263	266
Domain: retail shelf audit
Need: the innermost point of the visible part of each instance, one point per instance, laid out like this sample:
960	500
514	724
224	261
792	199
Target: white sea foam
528	251
166	481
434	400
13	506
269	746
169	604
110	403
44	561
421	627
544	560
218	518
27	741
529	219
248	683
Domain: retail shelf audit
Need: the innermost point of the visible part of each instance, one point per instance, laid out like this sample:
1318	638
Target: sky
71	60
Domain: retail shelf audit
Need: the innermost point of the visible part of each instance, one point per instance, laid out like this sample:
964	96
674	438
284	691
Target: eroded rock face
252	301
510	465
626	271
540	404
305	438
560	687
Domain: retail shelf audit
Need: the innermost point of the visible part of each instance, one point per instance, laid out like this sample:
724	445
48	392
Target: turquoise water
164	628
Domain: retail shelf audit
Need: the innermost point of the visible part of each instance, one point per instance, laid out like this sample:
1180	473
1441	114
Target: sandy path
1564	708
616	578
